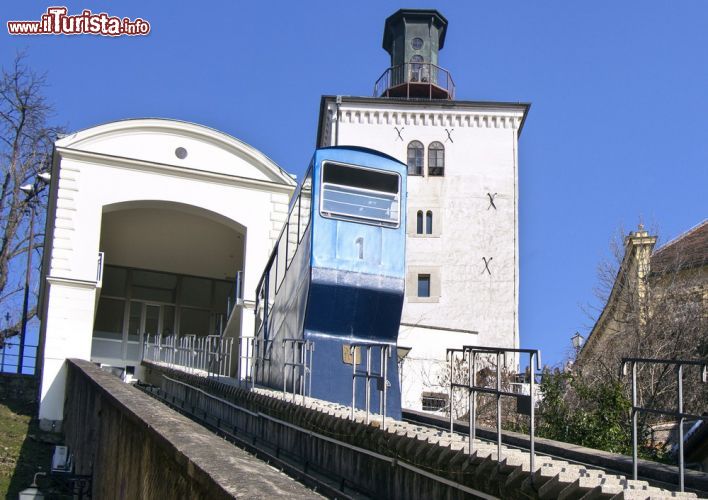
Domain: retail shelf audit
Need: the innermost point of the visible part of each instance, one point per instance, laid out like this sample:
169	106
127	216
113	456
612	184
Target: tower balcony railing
423	80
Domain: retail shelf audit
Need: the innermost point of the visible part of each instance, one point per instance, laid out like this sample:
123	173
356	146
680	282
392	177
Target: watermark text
57	21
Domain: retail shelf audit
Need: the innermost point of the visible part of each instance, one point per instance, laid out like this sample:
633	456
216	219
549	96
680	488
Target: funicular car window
360	193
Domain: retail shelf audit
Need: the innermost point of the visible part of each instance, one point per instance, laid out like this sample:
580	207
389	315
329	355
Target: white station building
149	224
152	222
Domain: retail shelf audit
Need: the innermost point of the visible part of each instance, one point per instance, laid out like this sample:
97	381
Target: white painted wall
480	158
127	165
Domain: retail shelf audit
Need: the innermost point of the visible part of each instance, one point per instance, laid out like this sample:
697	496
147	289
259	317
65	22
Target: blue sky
616	132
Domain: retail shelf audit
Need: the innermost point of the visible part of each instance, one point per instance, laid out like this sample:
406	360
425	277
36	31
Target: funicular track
656	474
325	481
319	480
414	453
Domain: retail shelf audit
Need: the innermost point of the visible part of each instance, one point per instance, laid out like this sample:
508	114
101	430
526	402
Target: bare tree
486	404
26	142
655	307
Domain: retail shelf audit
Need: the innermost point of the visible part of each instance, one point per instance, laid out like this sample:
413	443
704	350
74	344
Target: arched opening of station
168	269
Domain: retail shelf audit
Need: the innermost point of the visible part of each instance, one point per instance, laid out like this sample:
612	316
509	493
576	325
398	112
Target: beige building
658	303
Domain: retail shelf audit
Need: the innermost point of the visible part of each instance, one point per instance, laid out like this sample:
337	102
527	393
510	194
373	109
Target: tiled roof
686	251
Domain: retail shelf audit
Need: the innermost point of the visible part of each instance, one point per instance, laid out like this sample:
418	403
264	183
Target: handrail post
303	359
352	352
634	419
382	363
679	377
499	425
285	367
473	417
292	367
312	357
452	381
470	399
368	382
385	384
532	424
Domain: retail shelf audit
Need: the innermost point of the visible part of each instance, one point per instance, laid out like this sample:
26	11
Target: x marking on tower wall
491	201
486	265
399	132
449	135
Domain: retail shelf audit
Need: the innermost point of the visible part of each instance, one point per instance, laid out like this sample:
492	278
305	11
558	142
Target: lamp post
577	341
31	190
4	341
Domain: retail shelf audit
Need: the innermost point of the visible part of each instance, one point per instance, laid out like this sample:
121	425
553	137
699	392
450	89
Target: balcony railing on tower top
424	80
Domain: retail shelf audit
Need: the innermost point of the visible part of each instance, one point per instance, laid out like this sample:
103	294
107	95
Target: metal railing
246	355
678	414
417	75
381	377
210	354
9	360
260	364
525	403
300	366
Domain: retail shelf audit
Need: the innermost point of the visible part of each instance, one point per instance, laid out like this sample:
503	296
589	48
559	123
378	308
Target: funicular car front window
361	193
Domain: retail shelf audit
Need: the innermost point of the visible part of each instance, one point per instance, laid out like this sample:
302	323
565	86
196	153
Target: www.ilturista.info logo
56	21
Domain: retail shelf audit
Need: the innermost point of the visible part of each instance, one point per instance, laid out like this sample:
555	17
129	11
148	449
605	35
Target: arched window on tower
415	158
436	159
429	222
419	222
416	68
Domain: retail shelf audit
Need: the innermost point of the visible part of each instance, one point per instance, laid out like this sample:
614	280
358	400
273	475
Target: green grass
24	449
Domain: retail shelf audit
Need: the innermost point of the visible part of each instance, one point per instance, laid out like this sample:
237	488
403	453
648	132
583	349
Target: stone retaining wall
136	447
18	387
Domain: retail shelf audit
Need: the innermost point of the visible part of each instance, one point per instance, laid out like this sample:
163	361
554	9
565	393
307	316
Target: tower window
415	158
423	285
436	159
429	222
417	43
419	222
417	68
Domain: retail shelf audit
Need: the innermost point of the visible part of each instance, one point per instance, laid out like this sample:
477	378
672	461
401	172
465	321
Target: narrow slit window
423	285
419	222
359	193
428	222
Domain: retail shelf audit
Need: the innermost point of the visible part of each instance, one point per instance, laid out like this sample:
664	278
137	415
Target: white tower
462	264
